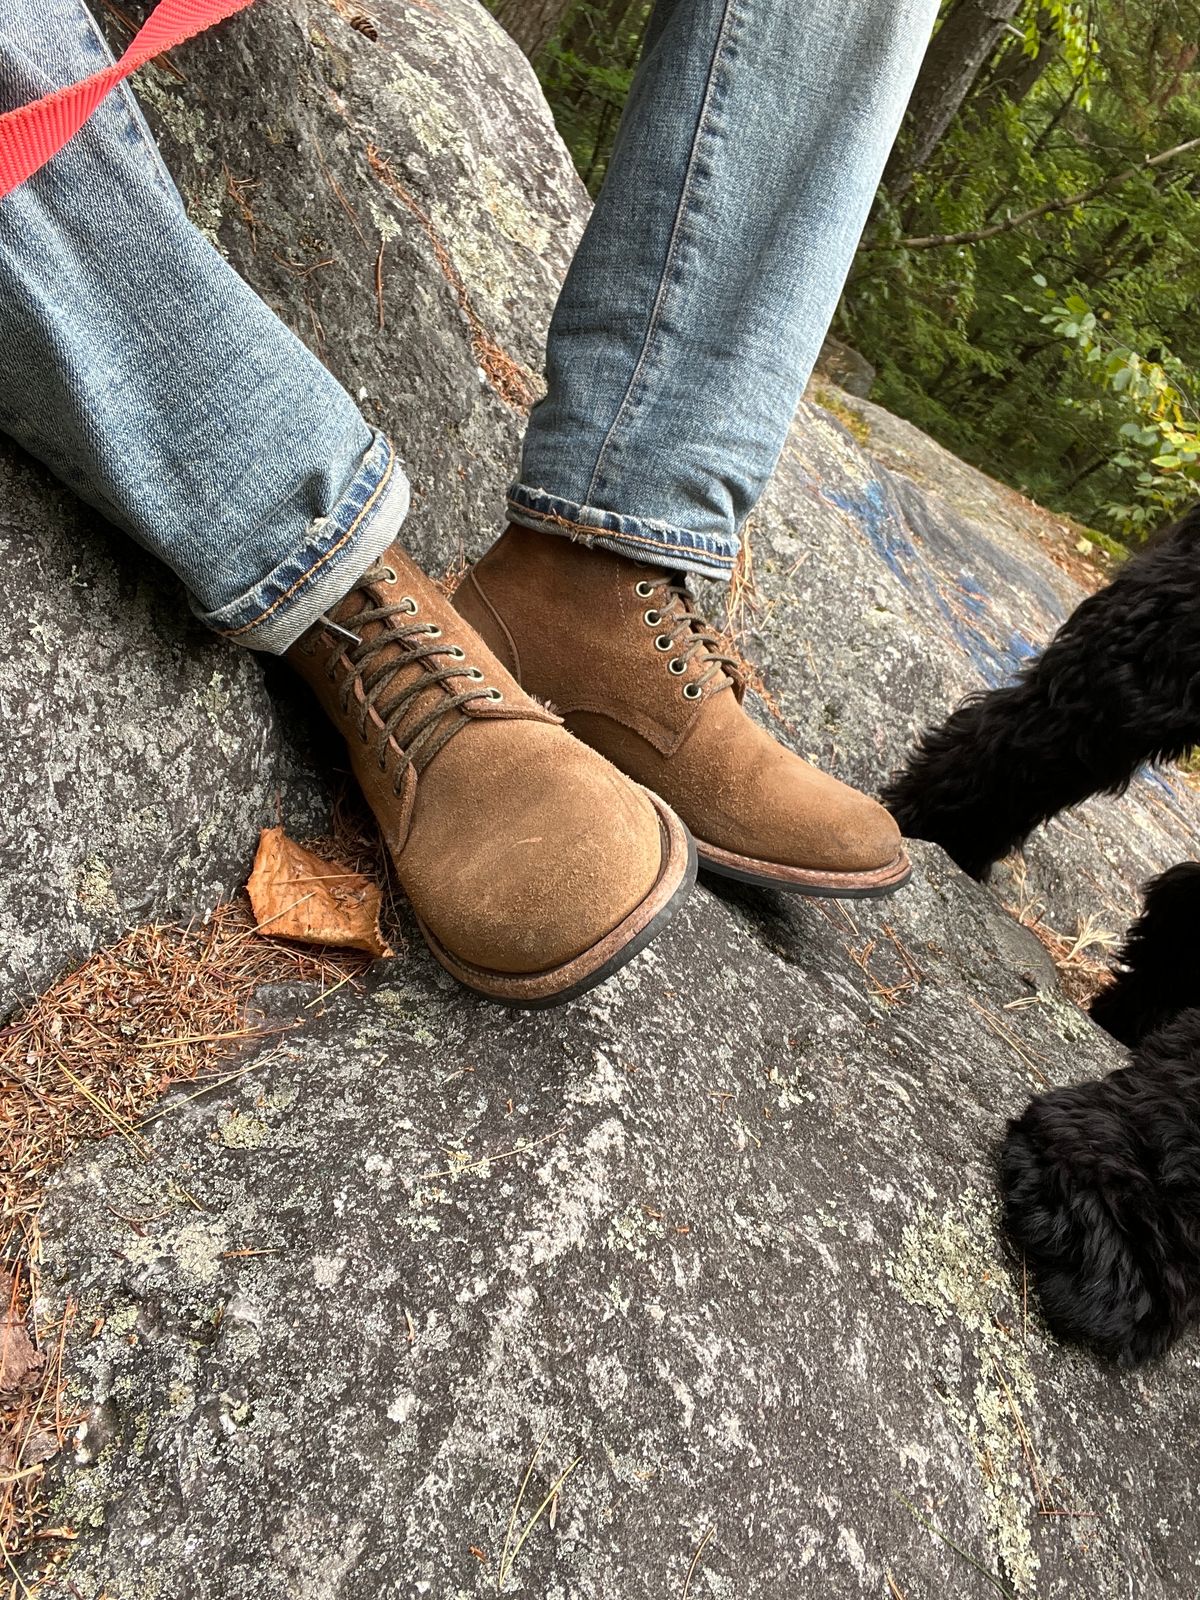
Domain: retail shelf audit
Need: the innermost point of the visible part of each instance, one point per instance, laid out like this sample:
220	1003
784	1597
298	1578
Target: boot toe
559	851
778	808
853	833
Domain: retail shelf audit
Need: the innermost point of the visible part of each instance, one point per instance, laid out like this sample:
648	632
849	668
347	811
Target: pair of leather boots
542	848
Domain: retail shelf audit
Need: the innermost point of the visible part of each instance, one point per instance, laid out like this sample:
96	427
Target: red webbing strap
31	134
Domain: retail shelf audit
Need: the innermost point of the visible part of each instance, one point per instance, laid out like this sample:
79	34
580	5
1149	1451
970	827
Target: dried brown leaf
297	895
25	1451
19	1360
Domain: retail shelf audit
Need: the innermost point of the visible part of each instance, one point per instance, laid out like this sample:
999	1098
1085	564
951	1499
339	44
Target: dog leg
1102	1194
1158	967
1118	685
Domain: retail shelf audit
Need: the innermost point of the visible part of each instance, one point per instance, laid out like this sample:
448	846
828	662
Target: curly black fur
1101	1180
1102	1193
1118	685
1158	967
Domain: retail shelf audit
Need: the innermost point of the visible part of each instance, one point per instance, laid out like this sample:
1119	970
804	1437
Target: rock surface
953	588
846	367
724	1234
721	1235
139	754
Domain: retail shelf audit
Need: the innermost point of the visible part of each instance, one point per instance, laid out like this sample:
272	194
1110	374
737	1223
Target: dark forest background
1027	286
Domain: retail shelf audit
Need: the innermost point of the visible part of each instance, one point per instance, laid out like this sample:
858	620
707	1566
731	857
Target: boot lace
678	622
375	673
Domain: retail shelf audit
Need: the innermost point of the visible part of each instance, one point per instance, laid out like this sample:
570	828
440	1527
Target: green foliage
1162	444
1060	355
586	70
1069	24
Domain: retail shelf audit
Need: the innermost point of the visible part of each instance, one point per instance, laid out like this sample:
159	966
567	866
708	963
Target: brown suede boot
535	869
635	671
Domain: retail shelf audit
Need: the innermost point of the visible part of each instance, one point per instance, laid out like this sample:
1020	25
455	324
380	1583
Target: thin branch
932	241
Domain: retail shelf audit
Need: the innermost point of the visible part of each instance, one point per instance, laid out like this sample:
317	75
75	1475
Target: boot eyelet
456	653
391	574
692	691
677	666
643	590
434	633
475	673
663	642
652	618
409	604
494	694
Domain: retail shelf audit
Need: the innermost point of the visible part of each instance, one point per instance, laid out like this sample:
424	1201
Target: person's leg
150	378
140	368
746	162
743	171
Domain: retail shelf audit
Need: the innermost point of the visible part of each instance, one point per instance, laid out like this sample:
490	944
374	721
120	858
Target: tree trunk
532	23
597	37
1016	73
961	47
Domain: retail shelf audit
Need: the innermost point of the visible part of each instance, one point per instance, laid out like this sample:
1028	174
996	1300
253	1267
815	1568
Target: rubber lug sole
540	990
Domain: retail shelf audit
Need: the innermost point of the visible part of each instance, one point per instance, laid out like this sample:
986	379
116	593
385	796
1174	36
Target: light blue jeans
141	369
151	379
744	168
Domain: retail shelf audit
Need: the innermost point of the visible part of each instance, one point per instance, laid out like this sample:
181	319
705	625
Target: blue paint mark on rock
994	647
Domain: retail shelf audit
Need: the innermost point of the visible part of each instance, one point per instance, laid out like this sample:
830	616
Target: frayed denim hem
335	551
655	543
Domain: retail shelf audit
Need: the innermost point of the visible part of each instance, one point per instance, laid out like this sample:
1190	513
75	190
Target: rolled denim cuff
638	538
334	551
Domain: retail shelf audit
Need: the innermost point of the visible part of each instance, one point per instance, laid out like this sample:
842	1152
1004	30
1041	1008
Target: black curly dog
1101	1180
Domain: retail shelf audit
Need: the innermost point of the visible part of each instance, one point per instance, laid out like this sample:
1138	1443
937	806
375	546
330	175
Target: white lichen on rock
947	1264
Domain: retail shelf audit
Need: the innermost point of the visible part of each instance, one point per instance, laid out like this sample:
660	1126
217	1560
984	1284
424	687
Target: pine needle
529	1526
89	1058
958	1550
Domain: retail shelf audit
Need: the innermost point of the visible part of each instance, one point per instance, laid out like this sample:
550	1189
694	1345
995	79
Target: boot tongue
675	600
388	669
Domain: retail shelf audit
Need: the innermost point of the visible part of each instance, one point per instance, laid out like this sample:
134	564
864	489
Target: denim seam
683	557
307	575
676	547
135	115
672	247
